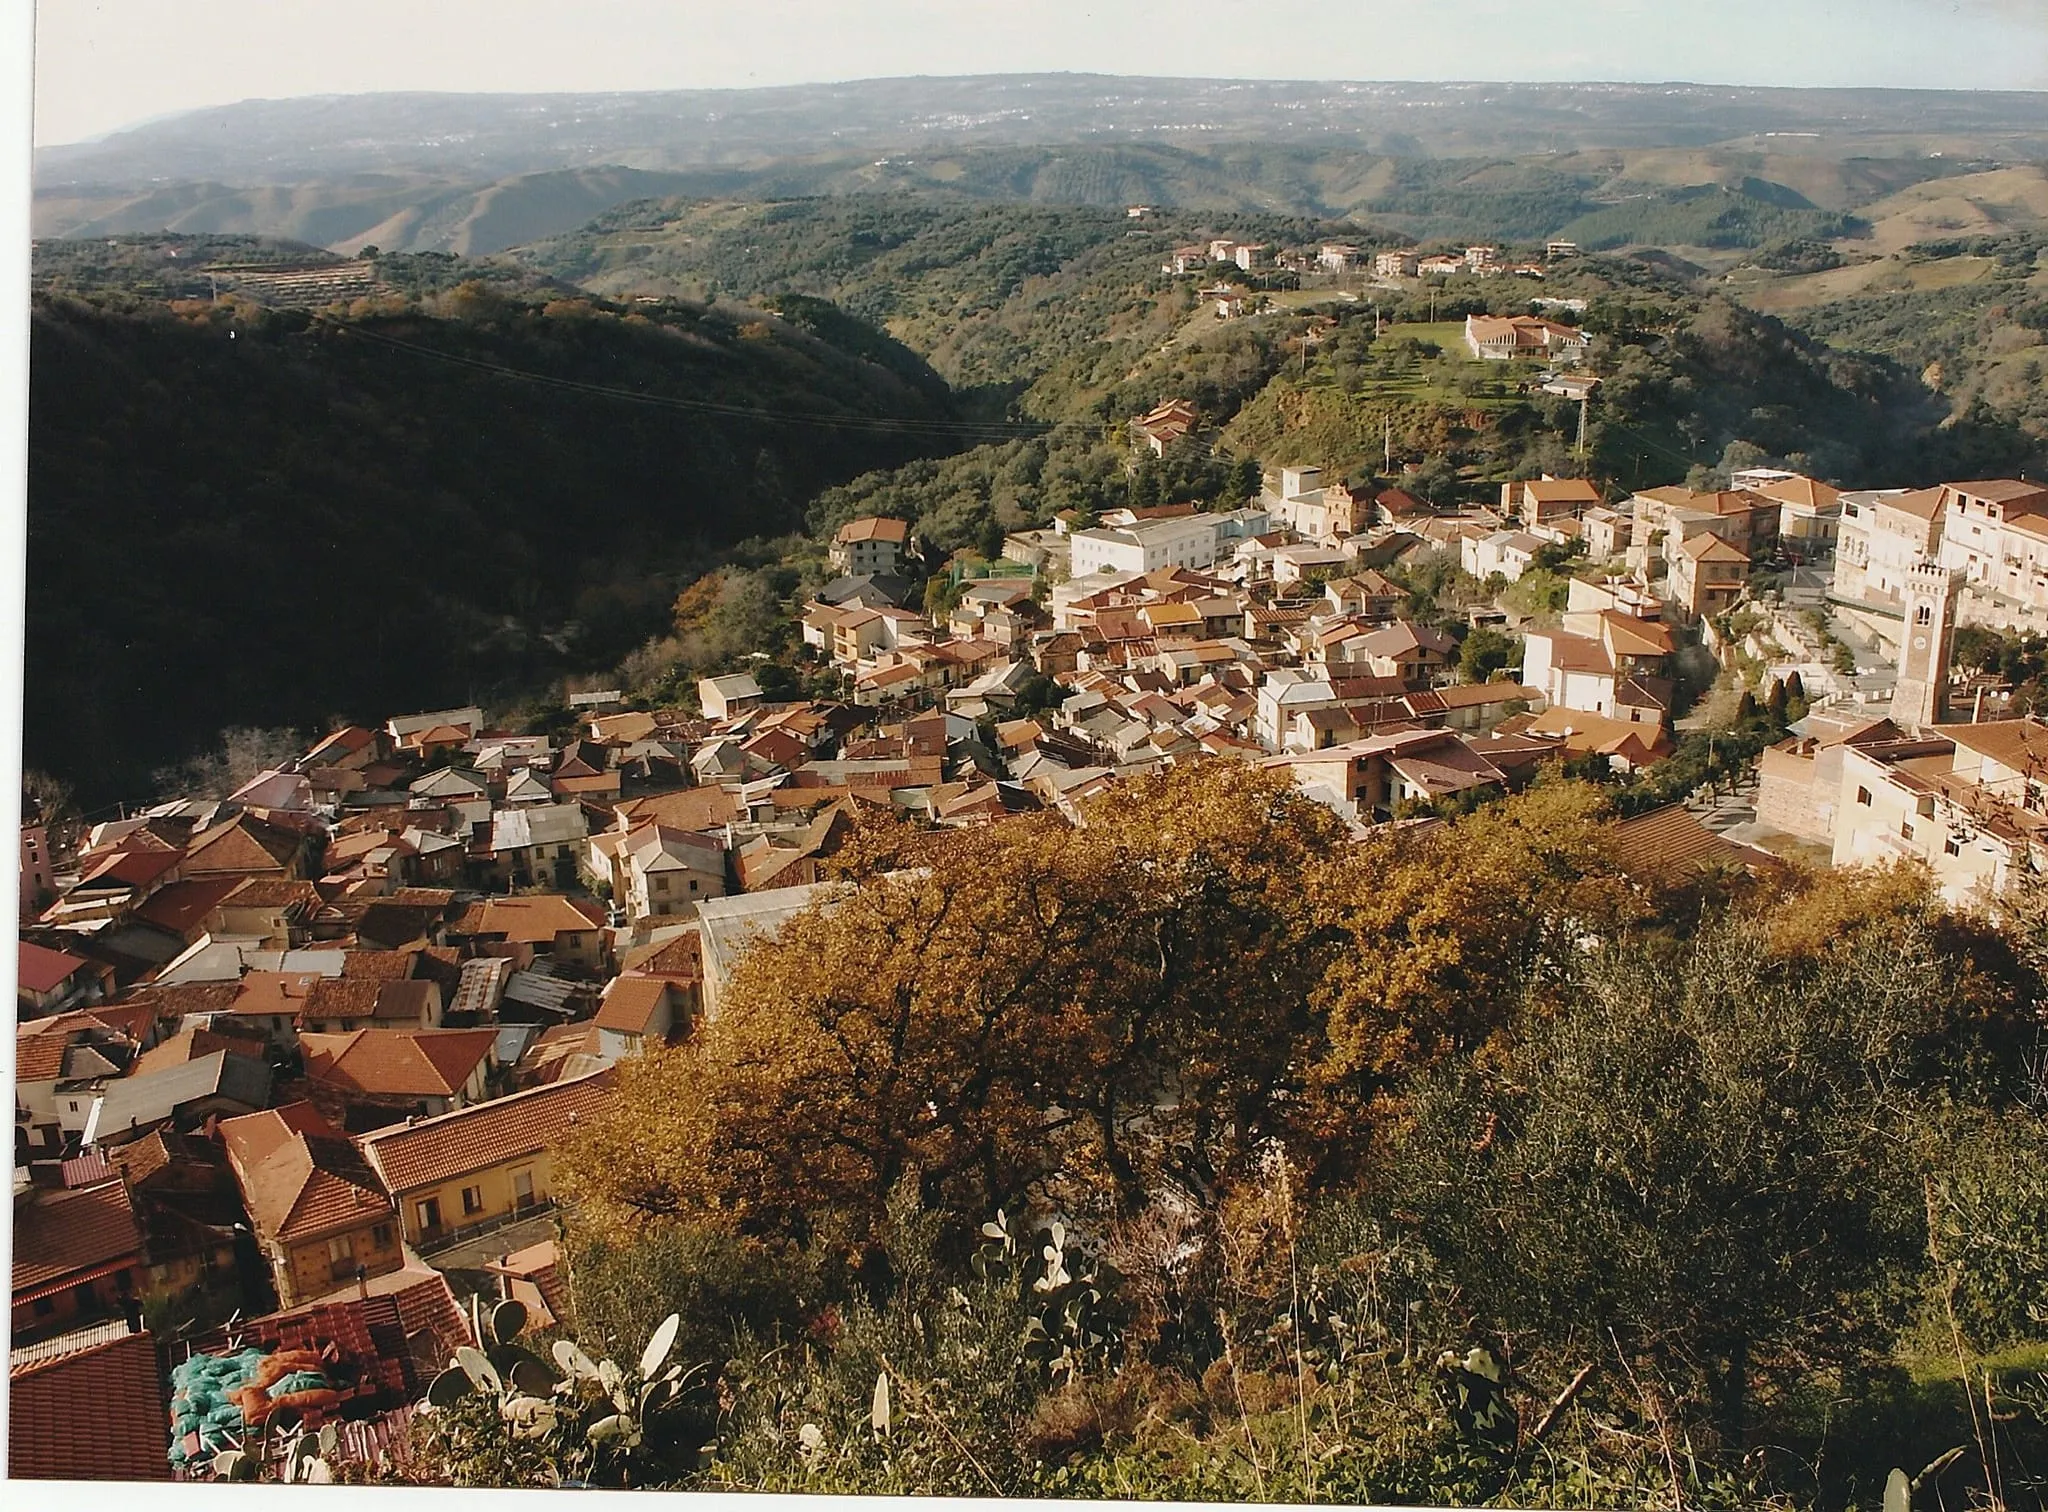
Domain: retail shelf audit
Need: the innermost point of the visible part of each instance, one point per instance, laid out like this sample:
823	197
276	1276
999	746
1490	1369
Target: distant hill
488	137
475	174
242	516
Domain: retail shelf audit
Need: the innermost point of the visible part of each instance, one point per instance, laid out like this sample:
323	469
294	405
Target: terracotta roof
1552	490
1801	491
41	970
1576	653
1708	546
182	907
1668	845
118	1379
532	920
1921	503
698	808
300	1176
430	1150
680	959
270	892
873	528
188	1045
59	1234
242	844
378	965
1630	636
630	1003
397	1062
342	997
1997	490
2021	744
40	1045
345	741
176	1000
129	869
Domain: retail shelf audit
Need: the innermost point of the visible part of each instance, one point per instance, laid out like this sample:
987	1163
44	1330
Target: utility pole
1582	427
1388	420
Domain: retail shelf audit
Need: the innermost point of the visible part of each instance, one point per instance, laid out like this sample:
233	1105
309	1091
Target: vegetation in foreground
1195	1153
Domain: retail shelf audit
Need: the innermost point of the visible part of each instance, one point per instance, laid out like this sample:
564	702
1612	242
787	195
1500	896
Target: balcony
446	1235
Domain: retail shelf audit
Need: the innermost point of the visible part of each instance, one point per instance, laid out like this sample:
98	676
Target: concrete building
1147	546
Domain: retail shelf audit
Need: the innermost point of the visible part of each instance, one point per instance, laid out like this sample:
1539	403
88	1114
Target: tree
1706	1161
1444	932
1487	651
994	1012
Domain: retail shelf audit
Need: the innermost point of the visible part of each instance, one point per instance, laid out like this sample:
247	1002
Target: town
292	1061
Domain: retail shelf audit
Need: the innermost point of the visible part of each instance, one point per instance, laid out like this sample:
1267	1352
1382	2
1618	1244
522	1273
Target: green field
1448	334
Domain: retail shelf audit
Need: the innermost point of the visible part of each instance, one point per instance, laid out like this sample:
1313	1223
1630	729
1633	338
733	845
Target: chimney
362	1283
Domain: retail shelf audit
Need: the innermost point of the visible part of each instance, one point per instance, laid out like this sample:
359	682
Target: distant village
291	1062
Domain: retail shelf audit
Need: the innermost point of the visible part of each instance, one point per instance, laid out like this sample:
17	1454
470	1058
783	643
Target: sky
104	64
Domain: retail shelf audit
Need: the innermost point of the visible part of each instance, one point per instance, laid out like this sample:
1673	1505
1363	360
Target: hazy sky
103	64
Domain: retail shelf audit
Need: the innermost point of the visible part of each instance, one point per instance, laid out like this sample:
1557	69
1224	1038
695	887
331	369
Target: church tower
1926	645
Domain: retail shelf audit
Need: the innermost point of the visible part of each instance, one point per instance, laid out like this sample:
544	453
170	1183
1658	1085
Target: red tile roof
630	1003
397	1062
243	844
42	970
300	1176
183	906
61	1234
873	528
270	892
680	959
378	965
430	1150
94	1413
130	869
532	920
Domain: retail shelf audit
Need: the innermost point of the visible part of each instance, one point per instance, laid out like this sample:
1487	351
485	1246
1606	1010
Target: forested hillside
241	516
518	531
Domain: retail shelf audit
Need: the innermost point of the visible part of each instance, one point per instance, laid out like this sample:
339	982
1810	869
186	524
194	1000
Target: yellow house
466	1171
317	1210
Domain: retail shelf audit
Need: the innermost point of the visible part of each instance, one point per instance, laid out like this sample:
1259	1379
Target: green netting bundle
299	1380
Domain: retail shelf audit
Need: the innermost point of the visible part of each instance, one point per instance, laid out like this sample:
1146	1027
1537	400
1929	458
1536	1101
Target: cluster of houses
299	1054
1344	257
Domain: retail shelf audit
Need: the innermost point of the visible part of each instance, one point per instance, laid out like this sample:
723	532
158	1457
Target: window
1906	830
430	1213
341	1248
661	884
472	1200
1952	846
1923	614
693	884
522	1188
1863	796
380	1236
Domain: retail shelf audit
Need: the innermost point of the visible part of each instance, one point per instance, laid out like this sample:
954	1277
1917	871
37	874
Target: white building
1884	535
1996	534
1505	552
723	697
1183	541
667	872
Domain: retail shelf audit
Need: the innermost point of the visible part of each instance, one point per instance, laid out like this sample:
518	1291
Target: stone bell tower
1921	698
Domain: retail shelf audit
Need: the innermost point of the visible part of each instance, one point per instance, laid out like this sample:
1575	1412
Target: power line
873	424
